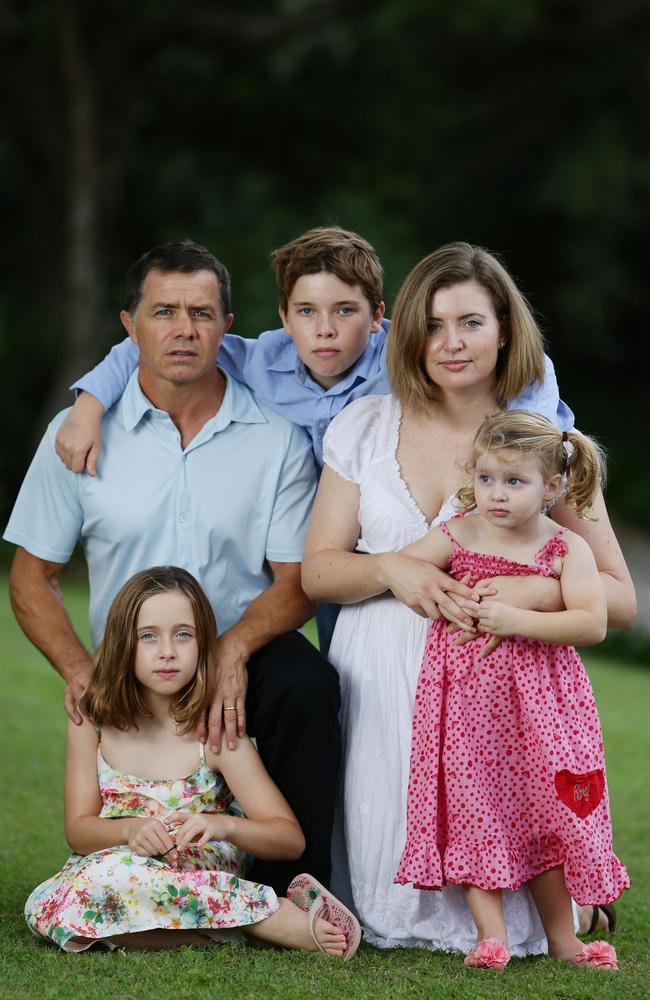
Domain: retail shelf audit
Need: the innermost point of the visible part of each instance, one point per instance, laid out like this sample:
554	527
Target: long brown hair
521	360
114	696
578	458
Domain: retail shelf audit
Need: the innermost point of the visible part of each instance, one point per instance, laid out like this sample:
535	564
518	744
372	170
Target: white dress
377	649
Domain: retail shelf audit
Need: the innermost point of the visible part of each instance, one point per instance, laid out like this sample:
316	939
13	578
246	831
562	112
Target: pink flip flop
597	955
308	894
490	953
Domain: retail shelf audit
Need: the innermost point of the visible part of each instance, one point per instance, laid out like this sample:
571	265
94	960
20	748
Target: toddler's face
510	488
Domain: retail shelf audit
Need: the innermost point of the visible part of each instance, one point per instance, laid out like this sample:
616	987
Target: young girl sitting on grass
160	846
507	780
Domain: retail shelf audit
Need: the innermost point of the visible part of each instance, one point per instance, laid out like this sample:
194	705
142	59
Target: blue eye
305	311
346	310
473	323
146	636
514	480
184	634
484	478
433	327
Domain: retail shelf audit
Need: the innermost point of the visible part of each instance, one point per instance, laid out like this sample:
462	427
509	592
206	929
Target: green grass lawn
32	847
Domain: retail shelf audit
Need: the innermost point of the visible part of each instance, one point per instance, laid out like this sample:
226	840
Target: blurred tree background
521	125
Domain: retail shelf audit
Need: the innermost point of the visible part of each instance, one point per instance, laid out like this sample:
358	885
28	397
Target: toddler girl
160	845
507	781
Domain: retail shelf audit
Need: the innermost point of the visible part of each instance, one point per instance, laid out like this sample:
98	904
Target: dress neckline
156	781
542	559
412	504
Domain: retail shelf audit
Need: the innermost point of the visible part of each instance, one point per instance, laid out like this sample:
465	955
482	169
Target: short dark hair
185	256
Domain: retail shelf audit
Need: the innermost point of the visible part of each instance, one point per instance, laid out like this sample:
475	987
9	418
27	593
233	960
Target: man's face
178	326
330	323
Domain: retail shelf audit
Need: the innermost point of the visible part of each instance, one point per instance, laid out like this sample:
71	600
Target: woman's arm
269	830
333	571
85	831
583	623
614	574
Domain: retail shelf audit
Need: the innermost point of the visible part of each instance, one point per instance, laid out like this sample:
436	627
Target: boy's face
330	323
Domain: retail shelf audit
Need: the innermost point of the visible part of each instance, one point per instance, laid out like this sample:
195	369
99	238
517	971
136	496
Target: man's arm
38	605
280	608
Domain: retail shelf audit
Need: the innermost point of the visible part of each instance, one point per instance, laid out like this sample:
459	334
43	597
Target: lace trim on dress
395	425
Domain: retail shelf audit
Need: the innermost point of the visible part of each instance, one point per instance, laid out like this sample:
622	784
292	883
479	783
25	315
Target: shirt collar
238	405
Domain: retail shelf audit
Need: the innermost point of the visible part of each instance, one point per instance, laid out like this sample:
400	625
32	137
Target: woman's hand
429	591
150	838
199	828
79	438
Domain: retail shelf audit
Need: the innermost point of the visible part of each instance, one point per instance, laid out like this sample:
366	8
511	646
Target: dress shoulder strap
445	530
555	547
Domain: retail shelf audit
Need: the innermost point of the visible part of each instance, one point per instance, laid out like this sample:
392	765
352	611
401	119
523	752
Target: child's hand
497	618
150	838
79	439
199	828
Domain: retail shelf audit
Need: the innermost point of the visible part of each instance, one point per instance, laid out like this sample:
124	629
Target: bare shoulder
577	546
227	760
82	736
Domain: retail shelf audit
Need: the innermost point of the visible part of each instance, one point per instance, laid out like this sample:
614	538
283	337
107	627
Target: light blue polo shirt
271	367
238	495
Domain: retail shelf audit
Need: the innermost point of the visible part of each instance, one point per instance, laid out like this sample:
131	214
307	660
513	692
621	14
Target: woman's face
464	336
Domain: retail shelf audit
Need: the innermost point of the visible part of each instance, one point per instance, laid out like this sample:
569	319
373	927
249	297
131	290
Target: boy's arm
583	623
107	381
78	441
545	399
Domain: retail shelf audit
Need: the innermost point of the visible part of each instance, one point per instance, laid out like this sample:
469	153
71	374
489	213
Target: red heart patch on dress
580	792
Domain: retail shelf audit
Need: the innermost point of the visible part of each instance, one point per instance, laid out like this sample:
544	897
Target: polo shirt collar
238	405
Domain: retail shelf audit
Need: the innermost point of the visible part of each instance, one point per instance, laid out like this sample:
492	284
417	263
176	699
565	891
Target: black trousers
292	707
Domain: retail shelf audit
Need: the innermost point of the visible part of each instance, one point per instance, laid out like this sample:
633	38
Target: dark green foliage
522	127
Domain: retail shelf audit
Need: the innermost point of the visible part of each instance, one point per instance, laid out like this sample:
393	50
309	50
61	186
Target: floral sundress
116	891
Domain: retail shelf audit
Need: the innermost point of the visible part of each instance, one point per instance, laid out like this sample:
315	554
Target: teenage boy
330	350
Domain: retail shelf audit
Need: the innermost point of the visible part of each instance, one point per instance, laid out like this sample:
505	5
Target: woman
462	345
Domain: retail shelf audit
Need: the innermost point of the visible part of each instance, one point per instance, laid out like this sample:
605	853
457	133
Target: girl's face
167	652
464	336
510	488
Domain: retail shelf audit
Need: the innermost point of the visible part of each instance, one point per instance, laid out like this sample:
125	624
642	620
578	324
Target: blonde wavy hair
114	696
577	458
521	360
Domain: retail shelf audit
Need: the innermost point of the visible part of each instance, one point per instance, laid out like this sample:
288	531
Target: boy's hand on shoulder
79	438
199	828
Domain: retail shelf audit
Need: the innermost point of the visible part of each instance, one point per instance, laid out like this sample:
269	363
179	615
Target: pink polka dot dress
507	772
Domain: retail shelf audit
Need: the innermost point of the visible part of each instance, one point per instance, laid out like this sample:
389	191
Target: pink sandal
596	954
308	894
490	953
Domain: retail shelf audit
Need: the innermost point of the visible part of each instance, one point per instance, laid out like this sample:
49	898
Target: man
194	473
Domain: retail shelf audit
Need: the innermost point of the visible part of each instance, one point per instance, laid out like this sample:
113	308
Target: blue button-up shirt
237	496
272	368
